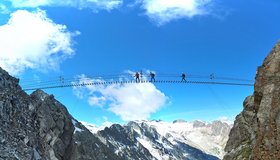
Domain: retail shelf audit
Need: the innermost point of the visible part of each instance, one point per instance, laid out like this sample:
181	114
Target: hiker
212	76
153	77
183	77
137	77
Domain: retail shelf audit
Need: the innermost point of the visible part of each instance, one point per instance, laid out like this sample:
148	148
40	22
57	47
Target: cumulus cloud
93	4
163	11
129	101
30	40
4	9
159	11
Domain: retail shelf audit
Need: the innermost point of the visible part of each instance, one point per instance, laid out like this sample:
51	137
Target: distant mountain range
164	140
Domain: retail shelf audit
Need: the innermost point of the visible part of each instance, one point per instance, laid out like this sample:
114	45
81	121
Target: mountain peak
39	94
179	121
166	140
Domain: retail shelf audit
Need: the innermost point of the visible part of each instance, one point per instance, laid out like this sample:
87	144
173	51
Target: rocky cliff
256	131
37	127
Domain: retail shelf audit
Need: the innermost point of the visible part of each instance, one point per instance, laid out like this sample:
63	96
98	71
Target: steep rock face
124	142
243	133
256	131
54	127
37	126
17	128
89	147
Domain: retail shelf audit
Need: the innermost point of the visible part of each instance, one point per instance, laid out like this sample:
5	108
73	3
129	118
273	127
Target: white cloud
93	4
30	40
163	11
129	101
96	101
4	9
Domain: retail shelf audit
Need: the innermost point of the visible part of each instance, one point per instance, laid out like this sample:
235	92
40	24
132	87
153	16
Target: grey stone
38	127
256	131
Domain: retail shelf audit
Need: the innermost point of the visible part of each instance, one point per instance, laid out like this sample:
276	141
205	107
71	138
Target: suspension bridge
122	79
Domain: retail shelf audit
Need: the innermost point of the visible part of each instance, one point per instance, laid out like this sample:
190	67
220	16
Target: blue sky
45	40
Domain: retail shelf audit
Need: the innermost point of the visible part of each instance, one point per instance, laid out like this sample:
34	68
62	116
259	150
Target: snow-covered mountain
165	140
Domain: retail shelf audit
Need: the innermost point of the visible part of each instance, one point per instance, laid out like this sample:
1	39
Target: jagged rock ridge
256	131
37	127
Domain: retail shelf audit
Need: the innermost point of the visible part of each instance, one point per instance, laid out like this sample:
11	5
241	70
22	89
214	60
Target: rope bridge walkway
76	84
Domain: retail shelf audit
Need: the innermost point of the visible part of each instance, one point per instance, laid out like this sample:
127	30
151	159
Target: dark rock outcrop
37	126
256	131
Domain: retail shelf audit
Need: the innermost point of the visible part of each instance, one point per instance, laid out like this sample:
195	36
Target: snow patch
154	152
93	128
199	136
74	122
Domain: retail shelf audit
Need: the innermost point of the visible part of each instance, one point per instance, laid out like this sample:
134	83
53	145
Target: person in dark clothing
152	76
212	76
183	77
137	77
